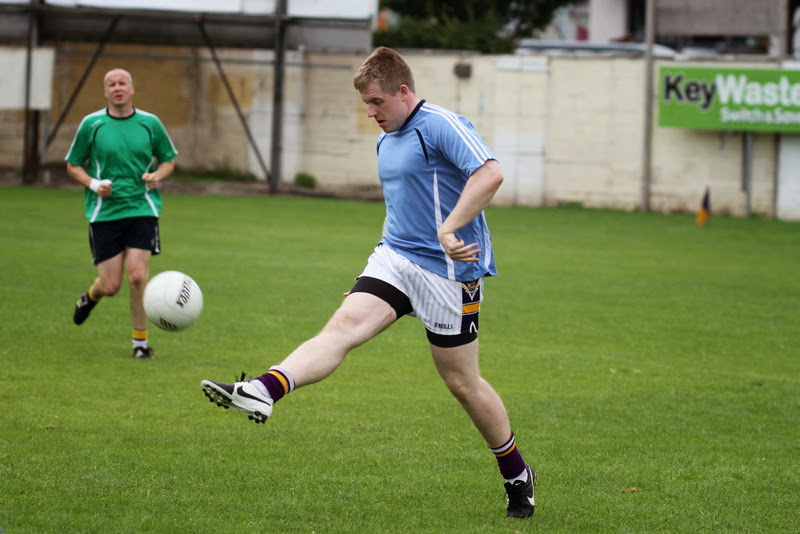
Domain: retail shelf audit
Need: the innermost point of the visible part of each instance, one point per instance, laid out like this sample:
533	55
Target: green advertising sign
718	98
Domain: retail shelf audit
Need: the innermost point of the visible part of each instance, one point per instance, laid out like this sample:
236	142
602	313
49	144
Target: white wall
13	65
788	193
566	128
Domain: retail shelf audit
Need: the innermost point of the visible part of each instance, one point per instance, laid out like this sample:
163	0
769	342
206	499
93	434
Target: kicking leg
361	317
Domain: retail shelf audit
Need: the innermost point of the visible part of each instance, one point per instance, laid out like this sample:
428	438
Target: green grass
632	351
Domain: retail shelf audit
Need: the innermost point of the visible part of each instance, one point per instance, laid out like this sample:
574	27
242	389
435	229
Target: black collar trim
408	119
120	118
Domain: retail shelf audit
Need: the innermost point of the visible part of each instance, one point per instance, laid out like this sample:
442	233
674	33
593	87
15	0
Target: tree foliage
489	27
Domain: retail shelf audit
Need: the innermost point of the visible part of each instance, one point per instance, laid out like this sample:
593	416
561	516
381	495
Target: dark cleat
519	496
143	353
83	308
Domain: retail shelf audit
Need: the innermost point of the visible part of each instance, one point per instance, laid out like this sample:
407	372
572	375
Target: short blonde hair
386	67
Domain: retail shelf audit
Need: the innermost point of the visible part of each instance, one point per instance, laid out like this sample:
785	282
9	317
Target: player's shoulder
436	112
440	117
95	118
147	117
145	114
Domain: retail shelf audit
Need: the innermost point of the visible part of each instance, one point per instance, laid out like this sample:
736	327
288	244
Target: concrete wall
185	89
567	129
339	140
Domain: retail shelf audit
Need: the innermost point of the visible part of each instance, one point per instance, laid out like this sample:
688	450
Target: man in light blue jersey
119	155
437	176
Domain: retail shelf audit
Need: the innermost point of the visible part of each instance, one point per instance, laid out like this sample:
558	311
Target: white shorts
446	307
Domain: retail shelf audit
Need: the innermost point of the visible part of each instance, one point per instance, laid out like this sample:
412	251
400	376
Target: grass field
651	370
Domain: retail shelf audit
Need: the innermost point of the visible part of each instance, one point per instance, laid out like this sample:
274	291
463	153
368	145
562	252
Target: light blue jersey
423	168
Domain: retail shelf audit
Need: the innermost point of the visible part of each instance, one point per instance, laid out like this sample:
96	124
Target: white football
172	300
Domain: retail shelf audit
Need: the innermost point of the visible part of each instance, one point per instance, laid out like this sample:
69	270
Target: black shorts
109	238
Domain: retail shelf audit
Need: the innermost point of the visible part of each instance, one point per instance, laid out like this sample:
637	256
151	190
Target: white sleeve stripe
477	148
473	138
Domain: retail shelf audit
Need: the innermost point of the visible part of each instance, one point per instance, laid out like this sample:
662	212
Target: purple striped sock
278	382
509	459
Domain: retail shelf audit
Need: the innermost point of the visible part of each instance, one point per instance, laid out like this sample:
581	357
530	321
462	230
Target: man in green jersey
119	155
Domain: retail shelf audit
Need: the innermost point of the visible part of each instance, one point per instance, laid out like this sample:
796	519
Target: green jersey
121	150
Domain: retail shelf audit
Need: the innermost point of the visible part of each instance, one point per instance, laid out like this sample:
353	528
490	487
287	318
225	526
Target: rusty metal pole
30	134
232	95
277	96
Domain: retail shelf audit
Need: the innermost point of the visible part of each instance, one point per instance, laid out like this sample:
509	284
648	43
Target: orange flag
705	209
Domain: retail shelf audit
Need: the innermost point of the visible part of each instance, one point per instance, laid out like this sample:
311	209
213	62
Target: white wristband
94	185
